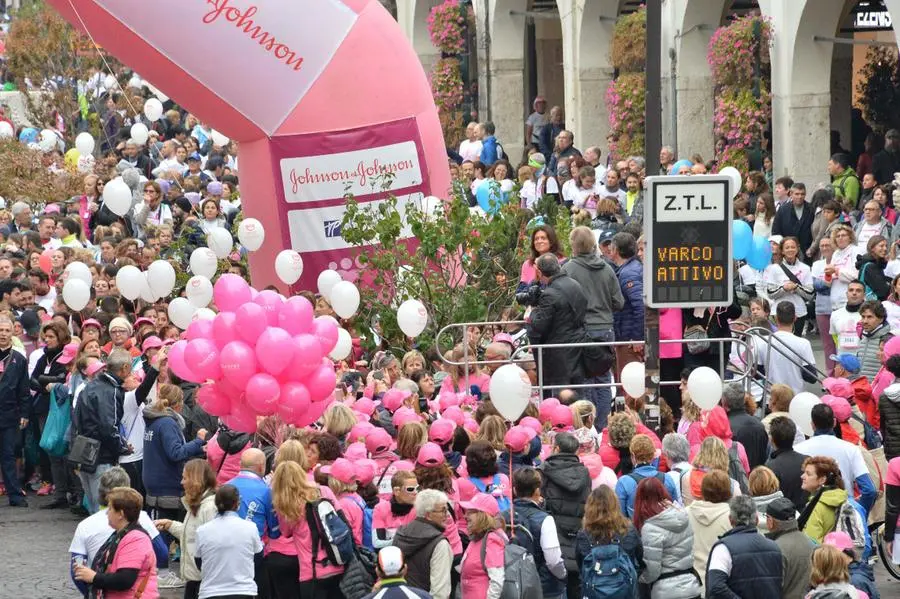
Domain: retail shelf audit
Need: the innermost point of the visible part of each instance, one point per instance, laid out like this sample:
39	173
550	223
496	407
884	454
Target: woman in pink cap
342	482
481	571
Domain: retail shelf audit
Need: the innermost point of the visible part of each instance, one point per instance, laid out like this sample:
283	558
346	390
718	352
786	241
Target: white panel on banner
319	229
331	176
280	46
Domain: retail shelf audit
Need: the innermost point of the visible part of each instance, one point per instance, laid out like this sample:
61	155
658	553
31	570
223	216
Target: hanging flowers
625	96
447	27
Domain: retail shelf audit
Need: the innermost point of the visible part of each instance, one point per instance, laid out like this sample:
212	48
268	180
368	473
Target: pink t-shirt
135	551
349	504
299	532
384	518
474	578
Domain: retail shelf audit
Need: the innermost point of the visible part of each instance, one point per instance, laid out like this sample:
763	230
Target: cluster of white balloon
704	384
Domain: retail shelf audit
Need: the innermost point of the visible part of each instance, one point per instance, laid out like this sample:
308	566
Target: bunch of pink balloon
261	355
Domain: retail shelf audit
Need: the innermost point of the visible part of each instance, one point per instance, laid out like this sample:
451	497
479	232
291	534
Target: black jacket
565	486
873	277
98	415
889	408
787	466
884	164
559	317
195	417
756	567
751	433
786	224
15	400
47	371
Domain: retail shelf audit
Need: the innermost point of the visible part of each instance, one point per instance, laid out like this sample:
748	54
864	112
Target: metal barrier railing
744	376
784	350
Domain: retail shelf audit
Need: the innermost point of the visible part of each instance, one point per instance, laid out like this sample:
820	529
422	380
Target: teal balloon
28	135
741	239
490	198
760	255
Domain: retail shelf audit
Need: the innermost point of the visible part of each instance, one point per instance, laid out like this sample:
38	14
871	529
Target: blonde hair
169	397
493	430
481	524
780	397
410	356
583	414
291	490
689	410
713	455
411	437
338	420
762	481
829	564
292	450
340	488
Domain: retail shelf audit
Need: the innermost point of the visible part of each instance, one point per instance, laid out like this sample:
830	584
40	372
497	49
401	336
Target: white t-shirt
780	369
844	262
579	197
46	301
847	455
775	275
134	425
470	150
93	531
528	195
227	545
866	233
843	327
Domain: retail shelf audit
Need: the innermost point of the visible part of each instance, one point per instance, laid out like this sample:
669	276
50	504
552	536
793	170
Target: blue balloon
489	197
28	135
760	255
742	239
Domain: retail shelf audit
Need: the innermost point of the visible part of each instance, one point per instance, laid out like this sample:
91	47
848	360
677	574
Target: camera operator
558	317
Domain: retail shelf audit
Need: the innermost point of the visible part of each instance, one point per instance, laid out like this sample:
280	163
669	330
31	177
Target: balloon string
100	52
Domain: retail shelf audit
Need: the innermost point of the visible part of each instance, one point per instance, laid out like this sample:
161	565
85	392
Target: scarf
107	553
852	309
808	510
400	509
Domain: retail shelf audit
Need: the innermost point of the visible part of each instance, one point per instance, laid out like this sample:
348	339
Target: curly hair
828	468
439	478
621	429
689	410
493	430
713	455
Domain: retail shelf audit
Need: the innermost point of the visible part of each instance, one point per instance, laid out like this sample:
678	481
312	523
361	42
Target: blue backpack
329	531
367	521
495	489
608	573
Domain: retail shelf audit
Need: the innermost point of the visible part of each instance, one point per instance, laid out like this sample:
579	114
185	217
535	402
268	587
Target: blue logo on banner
332	228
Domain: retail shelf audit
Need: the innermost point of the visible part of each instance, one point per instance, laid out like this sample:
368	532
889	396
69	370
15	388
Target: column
507	88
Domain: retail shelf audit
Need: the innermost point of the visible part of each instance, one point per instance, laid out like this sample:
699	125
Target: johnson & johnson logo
243	21
359	174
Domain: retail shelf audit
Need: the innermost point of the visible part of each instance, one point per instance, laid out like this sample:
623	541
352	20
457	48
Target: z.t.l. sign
687	226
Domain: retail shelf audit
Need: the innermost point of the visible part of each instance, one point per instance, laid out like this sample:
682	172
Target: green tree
879	88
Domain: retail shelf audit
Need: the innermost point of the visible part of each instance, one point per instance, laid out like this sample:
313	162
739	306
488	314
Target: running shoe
45	489
169	580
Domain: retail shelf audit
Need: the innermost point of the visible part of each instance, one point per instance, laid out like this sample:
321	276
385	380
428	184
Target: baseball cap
442	430
605	236
545	410
69	353
403	416
365	471
455	414
517	439
390	561
562	418
504	338
471	425
343	470
447	400
151	342
94	367
532	423
364	405
782	509
838	405
90	322
361	430
143	320
394	398
356	451
776	239
848	362
30	322
839	539
481	502
195	156
213	187
378	440
430	455
838	387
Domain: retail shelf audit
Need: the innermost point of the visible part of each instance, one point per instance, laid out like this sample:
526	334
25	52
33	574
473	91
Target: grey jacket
869	344
668	543
601	287
796	555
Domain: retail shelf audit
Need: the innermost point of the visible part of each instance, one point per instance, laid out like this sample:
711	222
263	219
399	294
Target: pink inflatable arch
321	95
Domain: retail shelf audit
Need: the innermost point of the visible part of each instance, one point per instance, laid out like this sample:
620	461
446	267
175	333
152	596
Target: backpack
500	153
608	573
367	513
736	469
870	293
519	534
848	520
330	531
828	594
521	579
871	437
639	477
495	489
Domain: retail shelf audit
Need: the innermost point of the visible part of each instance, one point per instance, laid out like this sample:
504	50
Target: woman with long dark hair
871	268
604	524
543	241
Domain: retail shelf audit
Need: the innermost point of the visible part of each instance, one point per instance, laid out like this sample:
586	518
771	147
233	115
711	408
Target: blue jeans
8	437
601	397
90	482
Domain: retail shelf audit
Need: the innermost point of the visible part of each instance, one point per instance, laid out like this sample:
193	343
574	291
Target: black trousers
191	589
283	573
135	472
323	588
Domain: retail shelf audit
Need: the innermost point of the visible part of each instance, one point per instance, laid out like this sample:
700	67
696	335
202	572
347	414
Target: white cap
390	561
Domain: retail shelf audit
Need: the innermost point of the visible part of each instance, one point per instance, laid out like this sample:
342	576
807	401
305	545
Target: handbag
696	337
54	439
84	453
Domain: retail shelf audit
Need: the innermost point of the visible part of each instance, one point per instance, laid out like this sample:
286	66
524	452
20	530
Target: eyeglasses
440	510
119	332
411	489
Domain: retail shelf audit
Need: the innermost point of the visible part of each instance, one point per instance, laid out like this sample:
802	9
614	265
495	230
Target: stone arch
412	15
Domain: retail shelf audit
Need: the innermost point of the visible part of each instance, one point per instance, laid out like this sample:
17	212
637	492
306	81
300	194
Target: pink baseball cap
504	338
839	387
364	405
51	209
69	353
151	342
378	440
562	418
94	367
343	470
90	322
482	502
143	320
838	405
455	414
447	400
430	455
365	471
356	451
361	430
394	398
532	423
545	410
441	431
471	425
839	539
518	438
405	415
593	462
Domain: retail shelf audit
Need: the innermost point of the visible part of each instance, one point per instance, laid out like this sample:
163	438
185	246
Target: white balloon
800	411
139	133
85	143
110	82
117	197
326	281
48	140
199	291
153	109
736	179
506	186
288	266
147	293
218	139
76	294
633	379
705	387
80	271
6	130
345	299
135	82
161	278
220	242
430	204
412	317
203	314
130	280
180	312
342	347
251	234
203	262
510	391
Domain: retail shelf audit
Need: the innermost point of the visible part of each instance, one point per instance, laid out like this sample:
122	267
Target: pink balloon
263	392
321	382
178	365
296	315
231	292
223	328
232	391
241	418
213	400
306	358
294	402
203	356
253	293
315	411
274	350
271	303
199	329
250	322
238	362
325	328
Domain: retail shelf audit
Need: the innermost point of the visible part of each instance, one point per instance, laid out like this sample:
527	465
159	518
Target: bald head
255	460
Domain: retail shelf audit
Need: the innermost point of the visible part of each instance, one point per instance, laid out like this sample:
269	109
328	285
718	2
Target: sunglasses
411	489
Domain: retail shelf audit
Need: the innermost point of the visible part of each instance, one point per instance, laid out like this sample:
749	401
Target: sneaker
169	580
45	489
56	504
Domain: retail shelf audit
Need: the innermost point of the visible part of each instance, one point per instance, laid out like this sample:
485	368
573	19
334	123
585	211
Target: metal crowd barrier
783	349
